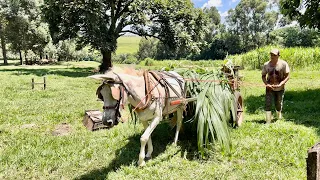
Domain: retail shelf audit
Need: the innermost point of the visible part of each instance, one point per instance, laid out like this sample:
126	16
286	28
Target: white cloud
232	2
223	14
210	3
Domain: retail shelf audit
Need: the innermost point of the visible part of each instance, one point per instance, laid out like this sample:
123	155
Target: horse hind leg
179	122
145	138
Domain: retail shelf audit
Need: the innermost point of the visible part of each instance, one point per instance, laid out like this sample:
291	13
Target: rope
244	84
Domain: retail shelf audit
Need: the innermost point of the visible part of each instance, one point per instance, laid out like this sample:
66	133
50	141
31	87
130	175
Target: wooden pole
32	83
44	83
313	163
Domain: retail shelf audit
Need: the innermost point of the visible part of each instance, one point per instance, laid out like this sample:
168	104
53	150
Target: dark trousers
277	97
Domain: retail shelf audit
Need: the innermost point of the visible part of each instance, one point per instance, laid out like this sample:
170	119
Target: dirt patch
28	126
62	130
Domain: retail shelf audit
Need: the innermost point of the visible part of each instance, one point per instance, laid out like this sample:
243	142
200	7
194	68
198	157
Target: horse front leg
145	137
150	146
179	122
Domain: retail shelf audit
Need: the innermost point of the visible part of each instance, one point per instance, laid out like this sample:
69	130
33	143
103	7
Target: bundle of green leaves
212	110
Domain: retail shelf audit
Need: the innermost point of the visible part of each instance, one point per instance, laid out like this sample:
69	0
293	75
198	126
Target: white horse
149	94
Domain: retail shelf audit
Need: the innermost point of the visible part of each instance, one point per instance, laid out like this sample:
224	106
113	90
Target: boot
268	117
279	115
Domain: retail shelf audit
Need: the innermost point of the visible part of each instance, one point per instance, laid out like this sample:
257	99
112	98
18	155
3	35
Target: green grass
128	44
260	151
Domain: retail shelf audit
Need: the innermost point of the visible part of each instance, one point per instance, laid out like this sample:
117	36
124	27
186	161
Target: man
278	74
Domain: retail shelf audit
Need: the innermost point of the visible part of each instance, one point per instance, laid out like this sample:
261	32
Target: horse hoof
147	158
141	164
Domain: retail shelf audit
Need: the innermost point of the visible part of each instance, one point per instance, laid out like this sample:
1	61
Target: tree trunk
25	57
3	46
20	57
106	61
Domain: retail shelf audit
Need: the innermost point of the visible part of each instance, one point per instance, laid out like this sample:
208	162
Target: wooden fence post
313	163
32	83
44	83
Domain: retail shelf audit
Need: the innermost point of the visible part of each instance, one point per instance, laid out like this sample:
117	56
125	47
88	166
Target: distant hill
128	44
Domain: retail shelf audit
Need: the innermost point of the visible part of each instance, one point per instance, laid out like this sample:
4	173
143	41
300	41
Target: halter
120	102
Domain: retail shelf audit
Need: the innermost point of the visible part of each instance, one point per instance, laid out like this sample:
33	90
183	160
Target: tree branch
125	9
142	34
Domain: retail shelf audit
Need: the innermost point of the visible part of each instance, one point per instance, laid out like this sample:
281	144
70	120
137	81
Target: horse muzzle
108	122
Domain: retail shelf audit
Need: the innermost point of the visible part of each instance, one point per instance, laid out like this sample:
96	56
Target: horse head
112	93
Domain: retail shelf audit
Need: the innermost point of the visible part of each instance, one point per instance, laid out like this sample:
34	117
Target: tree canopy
22	27
306	12
100	23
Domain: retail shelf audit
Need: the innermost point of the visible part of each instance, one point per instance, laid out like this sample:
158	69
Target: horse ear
98	93
115	91
102	77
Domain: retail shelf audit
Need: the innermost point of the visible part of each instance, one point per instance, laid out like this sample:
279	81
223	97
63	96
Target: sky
222	5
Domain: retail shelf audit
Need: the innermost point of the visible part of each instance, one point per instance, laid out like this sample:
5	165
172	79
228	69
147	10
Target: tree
251	21
214	22
147	48
101	23
306	12
295	36
39	38
24	28
3	42
3	24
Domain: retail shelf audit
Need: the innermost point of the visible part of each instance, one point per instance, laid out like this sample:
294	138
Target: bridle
120	102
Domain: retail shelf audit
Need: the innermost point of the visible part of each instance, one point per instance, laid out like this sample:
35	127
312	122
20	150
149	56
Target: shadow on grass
68	72
300	107
162	136
124	157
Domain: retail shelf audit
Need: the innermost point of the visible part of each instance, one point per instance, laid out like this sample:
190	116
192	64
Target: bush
125	59
297	58
295	36
148	62
147	48
130	59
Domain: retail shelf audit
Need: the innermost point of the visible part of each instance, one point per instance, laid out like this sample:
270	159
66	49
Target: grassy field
128	44
30	149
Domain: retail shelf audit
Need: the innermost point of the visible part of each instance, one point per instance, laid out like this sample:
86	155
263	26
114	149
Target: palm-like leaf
212	108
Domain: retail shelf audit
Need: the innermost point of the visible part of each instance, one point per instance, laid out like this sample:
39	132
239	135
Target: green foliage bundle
212	110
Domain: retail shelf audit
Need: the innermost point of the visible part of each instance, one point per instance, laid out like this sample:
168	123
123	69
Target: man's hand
277	85
269	86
